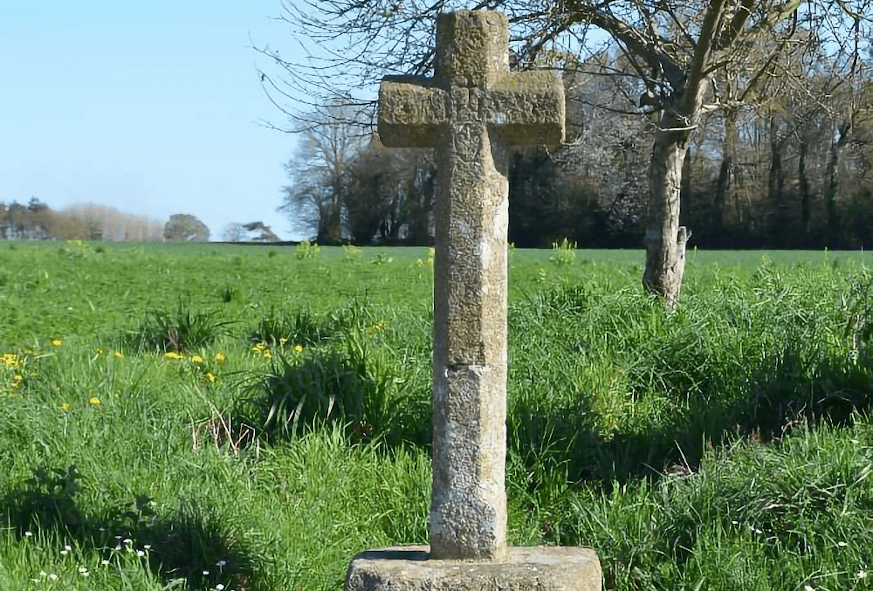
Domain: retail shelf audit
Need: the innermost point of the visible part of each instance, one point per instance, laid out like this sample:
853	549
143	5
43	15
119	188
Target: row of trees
251	232
185	227
794	171
85	221
88	221
722	80
346	185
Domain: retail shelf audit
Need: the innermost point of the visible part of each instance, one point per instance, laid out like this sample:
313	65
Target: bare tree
675	49
234	232
86	221
609	154
330	140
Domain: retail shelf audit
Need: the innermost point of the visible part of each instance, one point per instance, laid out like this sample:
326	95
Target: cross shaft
472	110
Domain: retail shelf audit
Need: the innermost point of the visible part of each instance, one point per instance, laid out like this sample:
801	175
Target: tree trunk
421	233
833	188
665	238
805	194
686	200
725	174
776	188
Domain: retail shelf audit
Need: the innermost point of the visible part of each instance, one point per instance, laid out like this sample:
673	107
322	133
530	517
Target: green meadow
217	417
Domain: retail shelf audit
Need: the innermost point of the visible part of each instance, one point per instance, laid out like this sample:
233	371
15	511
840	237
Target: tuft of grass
232	293
350	384
382	258
351	253
177	331
306	327
301	327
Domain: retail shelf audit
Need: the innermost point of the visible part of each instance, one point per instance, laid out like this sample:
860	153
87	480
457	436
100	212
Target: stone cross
471	111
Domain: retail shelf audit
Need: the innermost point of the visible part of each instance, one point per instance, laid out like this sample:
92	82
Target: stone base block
542	568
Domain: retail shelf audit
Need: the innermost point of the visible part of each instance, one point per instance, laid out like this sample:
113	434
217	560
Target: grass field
237	417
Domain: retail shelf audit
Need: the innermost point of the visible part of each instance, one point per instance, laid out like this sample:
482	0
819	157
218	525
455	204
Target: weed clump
177	331
349	384
563	253
305	250
232	293
304	327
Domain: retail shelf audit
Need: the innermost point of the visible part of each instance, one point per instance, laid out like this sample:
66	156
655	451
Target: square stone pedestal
541	568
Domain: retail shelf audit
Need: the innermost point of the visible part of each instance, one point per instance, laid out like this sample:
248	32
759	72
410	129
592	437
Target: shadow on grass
783	391
700	389
192	546
556	451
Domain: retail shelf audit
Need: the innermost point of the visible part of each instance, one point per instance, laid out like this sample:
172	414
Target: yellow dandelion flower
298	348
65	406
57	342
99	351
17	377
267	354
210	376
197	359
93	401
118	355
173	355
220	357
258	348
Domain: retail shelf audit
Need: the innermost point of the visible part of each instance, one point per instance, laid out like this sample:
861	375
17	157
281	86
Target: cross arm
411	112
528	108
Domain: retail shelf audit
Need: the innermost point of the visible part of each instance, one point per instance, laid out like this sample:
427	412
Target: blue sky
150	107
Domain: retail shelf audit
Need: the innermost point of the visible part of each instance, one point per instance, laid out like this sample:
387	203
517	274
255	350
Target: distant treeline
87	221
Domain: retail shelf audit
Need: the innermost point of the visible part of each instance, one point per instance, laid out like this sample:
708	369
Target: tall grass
277	422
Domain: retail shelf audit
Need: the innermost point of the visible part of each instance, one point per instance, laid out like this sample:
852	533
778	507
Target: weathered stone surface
471	111
544	568
468	509
522	107
472	83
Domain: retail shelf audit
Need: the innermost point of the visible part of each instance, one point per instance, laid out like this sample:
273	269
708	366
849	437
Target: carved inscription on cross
470	111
